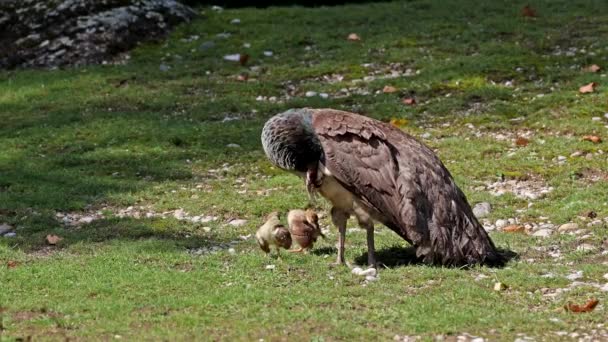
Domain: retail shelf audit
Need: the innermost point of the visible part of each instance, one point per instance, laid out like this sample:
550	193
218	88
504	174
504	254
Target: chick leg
339	218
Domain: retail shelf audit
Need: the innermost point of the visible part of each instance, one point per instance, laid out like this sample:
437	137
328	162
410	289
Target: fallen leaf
11	264
589	306
242	77
410	101
593	138
588	88
389	89
353	37
398	122
514	228
243	59
521	141
53	239
528	11
593	68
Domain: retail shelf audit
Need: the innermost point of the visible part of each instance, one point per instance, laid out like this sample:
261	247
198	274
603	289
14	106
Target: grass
97	140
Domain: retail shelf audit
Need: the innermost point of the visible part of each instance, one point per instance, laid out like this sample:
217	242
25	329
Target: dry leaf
588	88
353	37
53	239
11	264
589	306
389	89
242	77
593	138
514	228
593	68
528	11
243	59
410	101
398	122
521	141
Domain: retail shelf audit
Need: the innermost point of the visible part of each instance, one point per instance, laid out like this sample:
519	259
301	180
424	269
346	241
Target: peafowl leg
339	219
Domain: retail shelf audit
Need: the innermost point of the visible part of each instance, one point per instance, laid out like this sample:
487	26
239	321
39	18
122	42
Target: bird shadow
324	250
399	256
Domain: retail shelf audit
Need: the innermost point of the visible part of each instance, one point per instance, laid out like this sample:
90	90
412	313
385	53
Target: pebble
427	135
231	251
10	234
566	227
480	210
270	267
324	95
268	53
235	21
237	222
561	158
310	93
233	146
543	233
164	67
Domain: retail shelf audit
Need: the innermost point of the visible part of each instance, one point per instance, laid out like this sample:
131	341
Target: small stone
268	53
237	222
179	214
543	233
596	118
233	146
310	93
233	58
605	276
164	67
561	158
500	223
499	286
427	135
324	95
567	227
247	46
482	209
206	229
235	21
270	267
231	251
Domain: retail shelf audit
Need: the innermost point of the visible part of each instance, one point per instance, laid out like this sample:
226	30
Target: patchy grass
103	156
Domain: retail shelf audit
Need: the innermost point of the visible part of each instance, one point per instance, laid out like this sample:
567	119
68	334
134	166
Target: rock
233	58
206	45
231	251
268	53
543	233
561	158
480	210
324	95
235	21
5	228
310	93
164	67
237	222
42	33
10	234
567	227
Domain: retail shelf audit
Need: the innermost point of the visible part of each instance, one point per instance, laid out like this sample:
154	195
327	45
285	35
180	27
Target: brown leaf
389	89
528	11
593	138
353	37
588	307
243	58
593	68
588	88
521	141
514	228
410	101
11	264
53	239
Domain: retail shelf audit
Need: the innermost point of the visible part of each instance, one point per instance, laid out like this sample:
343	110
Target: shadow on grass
176	234
398	256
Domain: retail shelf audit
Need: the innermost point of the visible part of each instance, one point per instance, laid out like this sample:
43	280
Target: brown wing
404	184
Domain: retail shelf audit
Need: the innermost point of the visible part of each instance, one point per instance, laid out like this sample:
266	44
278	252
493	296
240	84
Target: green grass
105	138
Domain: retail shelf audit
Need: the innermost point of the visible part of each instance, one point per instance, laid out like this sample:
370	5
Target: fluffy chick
304	228
273	233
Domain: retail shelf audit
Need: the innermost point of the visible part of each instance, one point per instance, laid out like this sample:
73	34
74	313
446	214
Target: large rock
52	33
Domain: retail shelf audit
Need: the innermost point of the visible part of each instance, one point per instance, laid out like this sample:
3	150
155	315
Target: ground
152	173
